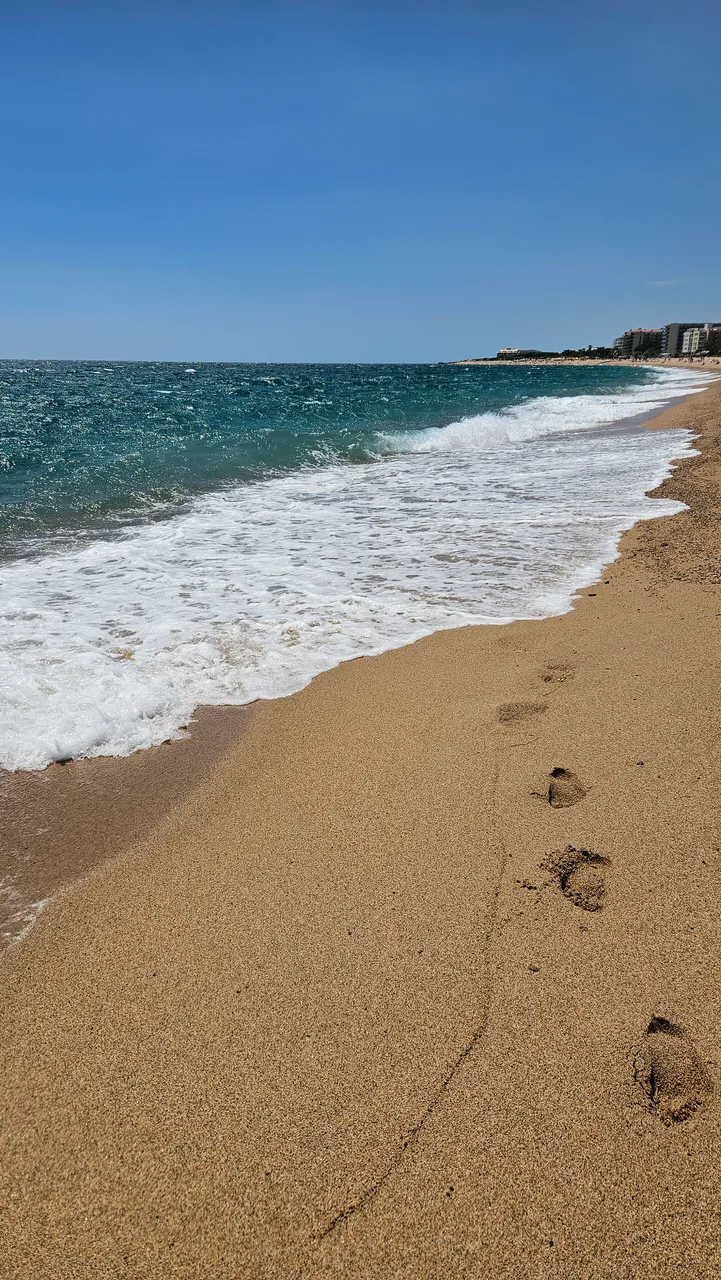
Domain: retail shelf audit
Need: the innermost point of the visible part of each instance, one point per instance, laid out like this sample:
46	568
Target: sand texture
421	980
58	823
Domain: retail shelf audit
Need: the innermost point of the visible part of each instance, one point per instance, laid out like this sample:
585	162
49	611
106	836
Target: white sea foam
254	590
549	415
20	916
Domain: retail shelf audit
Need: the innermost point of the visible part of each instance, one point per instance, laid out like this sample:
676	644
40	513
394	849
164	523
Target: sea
176	535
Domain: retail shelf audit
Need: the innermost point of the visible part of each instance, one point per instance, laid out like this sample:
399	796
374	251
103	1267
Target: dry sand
344	1010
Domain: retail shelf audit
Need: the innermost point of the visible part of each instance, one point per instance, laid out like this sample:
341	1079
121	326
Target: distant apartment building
635	343
701	340
690	341
673	335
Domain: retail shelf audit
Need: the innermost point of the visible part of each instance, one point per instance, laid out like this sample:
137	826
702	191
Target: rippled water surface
174	535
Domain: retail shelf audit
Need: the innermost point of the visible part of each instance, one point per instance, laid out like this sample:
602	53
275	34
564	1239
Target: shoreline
58	823
659	362
329	1015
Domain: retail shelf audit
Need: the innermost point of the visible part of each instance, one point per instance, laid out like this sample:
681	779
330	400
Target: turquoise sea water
85	445
174	535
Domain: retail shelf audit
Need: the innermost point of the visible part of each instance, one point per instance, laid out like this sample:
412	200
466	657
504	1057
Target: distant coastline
553	360
663	362
688	342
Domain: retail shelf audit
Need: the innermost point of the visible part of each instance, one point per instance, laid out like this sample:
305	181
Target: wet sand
351	1008
58	823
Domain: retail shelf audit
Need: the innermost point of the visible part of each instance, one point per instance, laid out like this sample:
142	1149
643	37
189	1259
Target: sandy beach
412	974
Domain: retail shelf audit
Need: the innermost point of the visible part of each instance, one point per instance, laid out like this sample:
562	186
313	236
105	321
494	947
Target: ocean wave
251	592
546	415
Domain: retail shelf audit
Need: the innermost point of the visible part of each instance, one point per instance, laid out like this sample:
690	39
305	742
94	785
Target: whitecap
250	592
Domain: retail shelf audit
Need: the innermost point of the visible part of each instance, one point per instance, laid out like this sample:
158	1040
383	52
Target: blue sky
353	181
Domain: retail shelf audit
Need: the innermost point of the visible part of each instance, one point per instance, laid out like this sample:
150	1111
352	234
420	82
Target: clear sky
354	181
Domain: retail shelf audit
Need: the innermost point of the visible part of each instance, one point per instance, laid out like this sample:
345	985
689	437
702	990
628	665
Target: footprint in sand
580	875
511	712
565	788
670	1071
556	672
